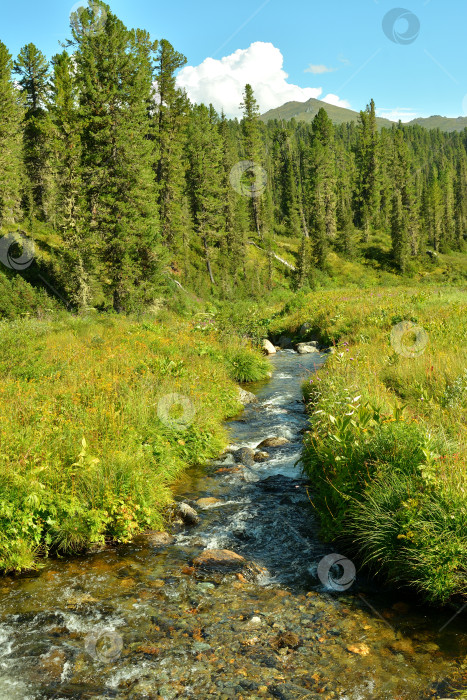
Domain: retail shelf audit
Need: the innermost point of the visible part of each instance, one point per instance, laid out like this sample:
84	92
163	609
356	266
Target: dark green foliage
11	113
126	186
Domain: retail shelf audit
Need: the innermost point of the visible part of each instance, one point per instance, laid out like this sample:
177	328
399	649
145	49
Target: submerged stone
220	559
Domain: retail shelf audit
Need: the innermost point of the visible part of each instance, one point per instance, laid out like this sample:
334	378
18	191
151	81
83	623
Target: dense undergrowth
387	446
98	417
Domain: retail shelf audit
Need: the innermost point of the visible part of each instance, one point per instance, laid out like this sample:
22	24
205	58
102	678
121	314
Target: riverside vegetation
171	276
387	445
85	453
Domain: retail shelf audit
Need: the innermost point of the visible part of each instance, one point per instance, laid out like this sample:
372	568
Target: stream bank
140	621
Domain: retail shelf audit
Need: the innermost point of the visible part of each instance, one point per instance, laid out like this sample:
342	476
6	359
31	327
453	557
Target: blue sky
427	75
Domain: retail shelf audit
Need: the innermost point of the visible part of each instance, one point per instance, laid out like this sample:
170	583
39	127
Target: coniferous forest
234	346
126	187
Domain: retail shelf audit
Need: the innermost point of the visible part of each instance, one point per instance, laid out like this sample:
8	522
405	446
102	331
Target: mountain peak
306	112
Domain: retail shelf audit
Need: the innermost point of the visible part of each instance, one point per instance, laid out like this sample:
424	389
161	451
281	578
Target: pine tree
68	185
235	213
288	184
205	180
399	233
170	117
322	187
368	191
253	152
117	157
460	191
33	69
11	115
433	210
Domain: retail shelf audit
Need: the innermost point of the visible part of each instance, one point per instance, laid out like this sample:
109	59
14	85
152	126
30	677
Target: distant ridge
306	112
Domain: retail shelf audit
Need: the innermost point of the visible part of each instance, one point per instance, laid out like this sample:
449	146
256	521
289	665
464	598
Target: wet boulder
245	455
156	539
187	514
268	347
206	502
307	348
273	442
220	560
261	456
246	397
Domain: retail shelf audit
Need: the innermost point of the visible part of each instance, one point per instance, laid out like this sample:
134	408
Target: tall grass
387	446
90	436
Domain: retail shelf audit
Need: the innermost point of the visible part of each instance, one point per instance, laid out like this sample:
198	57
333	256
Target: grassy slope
85	455
306	112
391	483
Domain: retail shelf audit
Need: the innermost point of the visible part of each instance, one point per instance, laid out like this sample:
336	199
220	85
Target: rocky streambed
233	602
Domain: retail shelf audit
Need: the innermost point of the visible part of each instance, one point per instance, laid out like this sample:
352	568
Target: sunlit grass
387	447
89	442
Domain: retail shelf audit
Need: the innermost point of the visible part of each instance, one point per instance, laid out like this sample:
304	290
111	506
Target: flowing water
138	621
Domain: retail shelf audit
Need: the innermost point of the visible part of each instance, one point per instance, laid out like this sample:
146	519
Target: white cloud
319	69
404	114
335	100
221	82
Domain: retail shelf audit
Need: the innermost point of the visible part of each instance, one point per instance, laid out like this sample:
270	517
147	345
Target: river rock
220	559
246	397
205	502
286	639
157	539
285	343
273	442
268	347
290	691
187	514
307	348
245	455
53	663
261	456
